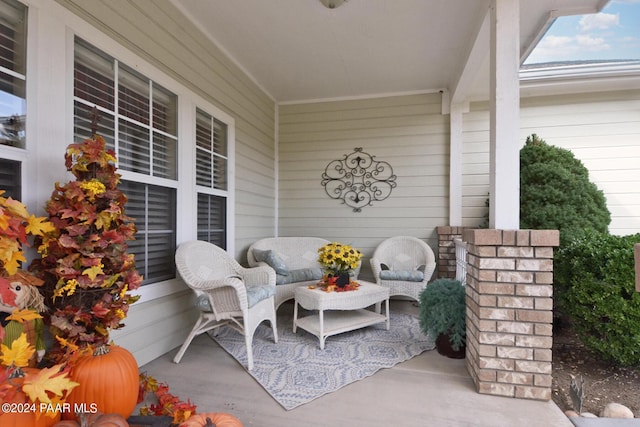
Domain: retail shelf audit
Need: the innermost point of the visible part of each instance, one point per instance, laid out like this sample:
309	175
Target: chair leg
274	328
186	343
195	331
248	338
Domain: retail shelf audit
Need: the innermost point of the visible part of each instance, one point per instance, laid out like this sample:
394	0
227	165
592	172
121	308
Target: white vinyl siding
408	132
600	129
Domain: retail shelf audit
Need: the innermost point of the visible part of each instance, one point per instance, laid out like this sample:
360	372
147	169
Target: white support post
455	165
504	210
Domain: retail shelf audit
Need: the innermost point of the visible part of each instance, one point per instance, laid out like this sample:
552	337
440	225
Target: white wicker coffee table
339	312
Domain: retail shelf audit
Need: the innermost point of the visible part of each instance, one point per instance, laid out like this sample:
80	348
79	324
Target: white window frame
211	191
20	154
186	219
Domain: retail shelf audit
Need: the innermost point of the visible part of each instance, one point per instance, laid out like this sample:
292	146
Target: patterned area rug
295	371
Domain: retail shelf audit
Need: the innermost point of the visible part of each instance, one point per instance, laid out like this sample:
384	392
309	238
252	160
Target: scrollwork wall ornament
358	180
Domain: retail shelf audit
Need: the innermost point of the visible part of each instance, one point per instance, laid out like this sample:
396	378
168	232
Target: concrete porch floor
428	390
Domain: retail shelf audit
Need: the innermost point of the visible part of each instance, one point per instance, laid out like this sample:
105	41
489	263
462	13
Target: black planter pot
443	345
343	280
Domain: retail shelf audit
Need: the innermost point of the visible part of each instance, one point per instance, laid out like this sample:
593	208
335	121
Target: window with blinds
211	178
138	119
153	208
13	66
212	219
10	172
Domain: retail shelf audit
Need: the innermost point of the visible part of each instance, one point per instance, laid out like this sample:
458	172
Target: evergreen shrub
556	194
595	274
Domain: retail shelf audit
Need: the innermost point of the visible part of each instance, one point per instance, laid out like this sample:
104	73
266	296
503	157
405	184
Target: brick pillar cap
491	237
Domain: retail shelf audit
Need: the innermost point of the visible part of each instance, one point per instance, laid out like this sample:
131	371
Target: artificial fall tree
85	265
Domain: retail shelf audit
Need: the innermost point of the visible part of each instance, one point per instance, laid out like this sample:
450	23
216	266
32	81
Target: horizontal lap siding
408	132
162	36
600	129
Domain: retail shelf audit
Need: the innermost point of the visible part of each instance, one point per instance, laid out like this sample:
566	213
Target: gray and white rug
295	371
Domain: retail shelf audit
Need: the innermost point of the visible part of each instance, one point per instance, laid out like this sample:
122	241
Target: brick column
510	311
447	251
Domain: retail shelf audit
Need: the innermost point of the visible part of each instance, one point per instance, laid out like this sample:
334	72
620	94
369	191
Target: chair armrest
205	285
261	275
429	270
376	267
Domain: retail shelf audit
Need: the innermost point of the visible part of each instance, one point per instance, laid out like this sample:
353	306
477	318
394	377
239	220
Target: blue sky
614	33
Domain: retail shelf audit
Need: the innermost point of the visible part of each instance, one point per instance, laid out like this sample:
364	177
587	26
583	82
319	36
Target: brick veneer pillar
510	311
447	251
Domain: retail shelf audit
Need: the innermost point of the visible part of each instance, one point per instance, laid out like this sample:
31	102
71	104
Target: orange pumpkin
31	419
95	420
27	417
108	382
212	419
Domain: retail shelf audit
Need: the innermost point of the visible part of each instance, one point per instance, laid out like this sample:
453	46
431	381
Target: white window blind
10	179
153	208
211	151
144	111
13	65
212	219
211	178
138	119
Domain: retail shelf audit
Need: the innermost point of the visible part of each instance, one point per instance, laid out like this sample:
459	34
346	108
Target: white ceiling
299	50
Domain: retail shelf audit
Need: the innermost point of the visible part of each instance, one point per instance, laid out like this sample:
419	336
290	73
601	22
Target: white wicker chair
228	294
403	256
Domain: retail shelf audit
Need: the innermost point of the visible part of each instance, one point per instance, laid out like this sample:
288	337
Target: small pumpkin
95	420
31	419
107	378
212	419
27	418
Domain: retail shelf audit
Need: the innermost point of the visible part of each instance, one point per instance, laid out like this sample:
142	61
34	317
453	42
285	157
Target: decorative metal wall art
358	179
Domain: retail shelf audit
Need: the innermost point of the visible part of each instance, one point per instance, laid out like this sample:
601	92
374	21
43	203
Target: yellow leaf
24	315
103	220
39	225
4	220
17	208
47	380
93	271
18	354
50	408
12	264
68	344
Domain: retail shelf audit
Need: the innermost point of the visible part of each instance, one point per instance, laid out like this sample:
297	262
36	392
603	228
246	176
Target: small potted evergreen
443	316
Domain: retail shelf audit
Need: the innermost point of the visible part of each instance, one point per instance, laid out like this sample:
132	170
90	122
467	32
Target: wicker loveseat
296	257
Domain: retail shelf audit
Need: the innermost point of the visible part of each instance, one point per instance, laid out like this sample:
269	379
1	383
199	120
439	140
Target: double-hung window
138	119
13	65
212	179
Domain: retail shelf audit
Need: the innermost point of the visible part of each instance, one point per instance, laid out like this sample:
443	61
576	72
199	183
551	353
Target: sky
614	33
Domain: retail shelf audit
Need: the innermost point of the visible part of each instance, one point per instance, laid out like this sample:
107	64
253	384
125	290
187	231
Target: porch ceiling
299	50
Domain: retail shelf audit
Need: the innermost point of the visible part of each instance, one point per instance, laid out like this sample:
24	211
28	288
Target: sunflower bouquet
338	258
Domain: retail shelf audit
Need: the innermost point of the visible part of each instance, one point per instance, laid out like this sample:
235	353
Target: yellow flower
69	288
93	187
124	290
338	257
